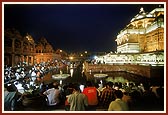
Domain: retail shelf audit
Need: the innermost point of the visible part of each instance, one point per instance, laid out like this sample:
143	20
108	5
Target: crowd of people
119	97
108	96
23	79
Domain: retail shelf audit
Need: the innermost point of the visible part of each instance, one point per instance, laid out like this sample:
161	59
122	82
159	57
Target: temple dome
142	14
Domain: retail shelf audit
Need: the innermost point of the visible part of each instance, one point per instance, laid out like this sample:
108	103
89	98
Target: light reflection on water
81	76
71	71
122	77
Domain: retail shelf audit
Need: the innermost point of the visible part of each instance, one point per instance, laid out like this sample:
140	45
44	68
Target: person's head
118	94
76	87
55	85
88	83
110	84
10	87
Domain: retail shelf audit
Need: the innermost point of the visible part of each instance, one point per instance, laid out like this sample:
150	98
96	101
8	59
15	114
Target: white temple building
141	41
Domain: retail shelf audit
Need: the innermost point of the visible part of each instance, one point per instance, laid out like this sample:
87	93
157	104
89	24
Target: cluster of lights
71	58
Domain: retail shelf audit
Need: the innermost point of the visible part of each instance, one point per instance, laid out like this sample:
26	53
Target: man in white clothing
53	95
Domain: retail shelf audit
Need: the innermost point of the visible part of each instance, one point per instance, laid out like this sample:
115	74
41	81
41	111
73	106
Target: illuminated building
45	52
24	50
144	33
17	48
141	41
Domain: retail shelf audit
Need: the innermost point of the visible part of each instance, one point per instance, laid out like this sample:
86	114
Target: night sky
73	27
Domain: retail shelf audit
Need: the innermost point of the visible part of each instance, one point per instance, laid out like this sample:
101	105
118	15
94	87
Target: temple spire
142	10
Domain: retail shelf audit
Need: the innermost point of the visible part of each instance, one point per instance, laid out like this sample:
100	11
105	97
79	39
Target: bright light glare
95	57
71	58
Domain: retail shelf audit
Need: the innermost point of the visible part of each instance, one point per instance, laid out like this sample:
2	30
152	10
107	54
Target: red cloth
66	101
91	94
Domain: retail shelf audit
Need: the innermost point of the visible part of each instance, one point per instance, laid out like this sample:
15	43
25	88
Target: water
122	77
79	76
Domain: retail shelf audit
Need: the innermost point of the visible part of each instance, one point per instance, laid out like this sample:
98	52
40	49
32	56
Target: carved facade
19	50
140	42
144	33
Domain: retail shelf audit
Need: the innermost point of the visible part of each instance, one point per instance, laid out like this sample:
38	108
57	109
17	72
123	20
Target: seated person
53	95
11	96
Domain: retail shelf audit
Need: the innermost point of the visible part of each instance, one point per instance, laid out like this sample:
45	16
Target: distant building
24	50
45	52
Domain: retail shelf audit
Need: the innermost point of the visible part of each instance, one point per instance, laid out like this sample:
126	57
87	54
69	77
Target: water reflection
122	77
79	75
71	72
